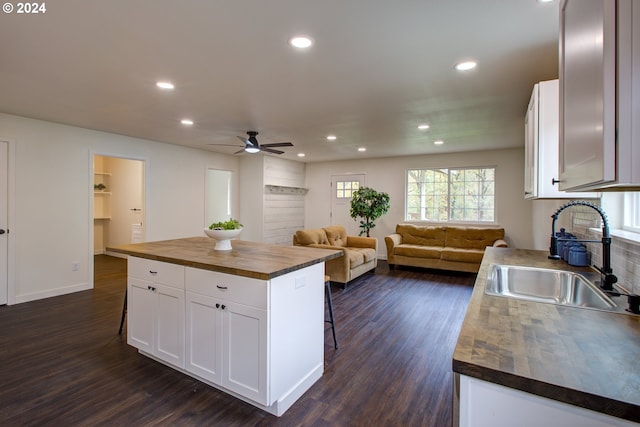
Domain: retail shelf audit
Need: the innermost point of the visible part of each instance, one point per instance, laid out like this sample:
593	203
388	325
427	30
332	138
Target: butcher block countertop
588	358
250	259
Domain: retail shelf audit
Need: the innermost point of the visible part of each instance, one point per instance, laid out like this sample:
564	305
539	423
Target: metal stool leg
327	293
124	312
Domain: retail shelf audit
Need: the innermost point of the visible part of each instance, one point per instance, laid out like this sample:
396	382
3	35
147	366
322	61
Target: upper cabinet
541	145
599	95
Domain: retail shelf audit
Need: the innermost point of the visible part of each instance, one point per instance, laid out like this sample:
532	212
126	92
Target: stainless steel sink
546	285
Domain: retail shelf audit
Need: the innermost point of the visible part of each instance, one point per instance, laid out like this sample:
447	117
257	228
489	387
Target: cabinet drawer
157	272
243	290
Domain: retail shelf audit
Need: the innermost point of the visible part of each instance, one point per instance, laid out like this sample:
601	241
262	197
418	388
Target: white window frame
449	171
631	212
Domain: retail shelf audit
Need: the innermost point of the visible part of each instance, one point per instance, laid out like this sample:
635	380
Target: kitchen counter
584	357
249	259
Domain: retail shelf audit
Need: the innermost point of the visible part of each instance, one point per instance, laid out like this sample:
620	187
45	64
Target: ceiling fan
252	145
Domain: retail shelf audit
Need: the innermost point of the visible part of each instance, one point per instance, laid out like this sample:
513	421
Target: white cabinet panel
245	351
169	325
599	105
141	313
204	337
487	404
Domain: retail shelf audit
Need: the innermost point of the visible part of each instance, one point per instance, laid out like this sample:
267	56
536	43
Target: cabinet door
587	93
141	313
204	337
531	147
245	351
169	324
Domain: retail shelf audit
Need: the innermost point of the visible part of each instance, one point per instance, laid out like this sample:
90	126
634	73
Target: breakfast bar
248	321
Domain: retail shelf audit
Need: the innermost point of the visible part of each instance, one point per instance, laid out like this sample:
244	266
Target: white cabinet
541	145
155	299
227	340
599	95
260	340
487	404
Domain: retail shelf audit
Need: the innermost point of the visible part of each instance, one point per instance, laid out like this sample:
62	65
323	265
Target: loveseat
441	247
360	254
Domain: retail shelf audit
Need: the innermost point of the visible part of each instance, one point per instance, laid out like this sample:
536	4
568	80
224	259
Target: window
344	189
632	212
461	194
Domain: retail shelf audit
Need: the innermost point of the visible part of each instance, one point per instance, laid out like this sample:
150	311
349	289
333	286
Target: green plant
232	224
368	204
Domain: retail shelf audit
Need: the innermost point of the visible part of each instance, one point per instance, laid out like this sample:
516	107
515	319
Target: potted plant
223	232
368	204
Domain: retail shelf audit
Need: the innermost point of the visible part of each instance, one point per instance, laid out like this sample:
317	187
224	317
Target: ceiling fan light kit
251	144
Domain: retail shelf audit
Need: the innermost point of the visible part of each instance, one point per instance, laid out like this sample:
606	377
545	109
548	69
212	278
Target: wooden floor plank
62	361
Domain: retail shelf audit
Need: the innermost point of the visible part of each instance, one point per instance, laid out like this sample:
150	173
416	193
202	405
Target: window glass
460	194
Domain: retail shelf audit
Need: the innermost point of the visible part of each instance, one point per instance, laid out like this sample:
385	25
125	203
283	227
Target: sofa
441	247
360	254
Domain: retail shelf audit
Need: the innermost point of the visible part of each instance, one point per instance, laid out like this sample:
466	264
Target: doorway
342	186
118	202
4	222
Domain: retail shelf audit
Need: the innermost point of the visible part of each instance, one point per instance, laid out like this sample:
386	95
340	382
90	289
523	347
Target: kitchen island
248	321
540	363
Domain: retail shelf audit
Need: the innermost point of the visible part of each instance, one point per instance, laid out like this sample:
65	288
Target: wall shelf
279	189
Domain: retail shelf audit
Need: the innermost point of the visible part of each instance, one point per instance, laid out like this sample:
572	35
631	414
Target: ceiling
377	70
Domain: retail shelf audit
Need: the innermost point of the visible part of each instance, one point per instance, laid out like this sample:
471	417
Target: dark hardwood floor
63	363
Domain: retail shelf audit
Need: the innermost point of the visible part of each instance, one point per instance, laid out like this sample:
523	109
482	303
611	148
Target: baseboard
52	293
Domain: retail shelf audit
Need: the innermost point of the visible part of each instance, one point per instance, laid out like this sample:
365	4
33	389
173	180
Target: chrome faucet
608	278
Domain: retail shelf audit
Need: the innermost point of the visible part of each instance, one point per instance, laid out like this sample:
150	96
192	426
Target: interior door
4	218
342	186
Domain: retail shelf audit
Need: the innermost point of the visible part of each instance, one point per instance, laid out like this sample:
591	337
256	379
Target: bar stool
124	312
327	294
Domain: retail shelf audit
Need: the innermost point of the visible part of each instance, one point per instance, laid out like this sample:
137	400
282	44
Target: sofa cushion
337	235
368	254
421	235
356	258
418	251
472	237
462	255
310	237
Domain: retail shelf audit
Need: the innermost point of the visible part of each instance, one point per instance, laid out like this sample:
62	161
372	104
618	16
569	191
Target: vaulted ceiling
377	70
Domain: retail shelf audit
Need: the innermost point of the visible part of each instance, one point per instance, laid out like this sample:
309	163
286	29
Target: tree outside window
460	194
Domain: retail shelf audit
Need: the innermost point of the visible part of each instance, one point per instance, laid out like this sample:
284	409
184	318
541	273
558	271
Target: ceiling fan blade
239	151
278	144
269	150
242	138
225	145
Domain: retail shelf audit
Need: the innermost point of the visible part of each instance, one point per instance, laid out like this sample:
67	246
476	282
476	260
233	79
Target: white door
342	186
4	217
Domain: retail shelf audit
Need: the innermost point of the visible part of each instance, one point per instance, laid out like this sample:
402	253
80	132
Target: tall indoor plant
368	204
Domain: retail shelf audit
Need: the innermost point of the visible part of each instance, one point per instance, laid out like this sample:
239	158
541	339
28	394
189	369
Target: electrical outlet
75	266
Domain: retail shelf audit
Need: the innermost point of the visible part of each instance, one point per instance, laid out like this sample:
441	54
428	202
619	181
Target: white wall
513	212
51	227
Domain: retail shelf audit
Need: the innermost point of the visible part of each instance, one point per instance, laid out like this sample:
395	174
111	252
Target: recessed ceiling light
423	127
545	1
301	42
300	154
466	66
438	142
186	122
362	149
165	85
331	137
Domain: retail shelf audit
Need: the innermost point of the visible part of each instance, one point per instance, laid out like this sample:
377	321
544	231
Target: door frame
92	154
11	252
362	177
